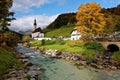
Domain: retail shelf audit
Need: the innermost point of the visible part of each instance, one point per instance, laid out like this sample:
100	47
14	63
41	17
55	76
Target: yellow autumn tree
90	20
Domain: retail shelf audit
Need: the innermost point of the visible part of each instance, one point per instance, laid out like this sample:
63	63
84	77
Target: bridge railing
116	39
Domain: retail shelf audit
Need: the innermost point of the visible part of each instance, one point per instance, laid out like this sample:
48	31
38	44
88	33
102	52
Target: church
37	32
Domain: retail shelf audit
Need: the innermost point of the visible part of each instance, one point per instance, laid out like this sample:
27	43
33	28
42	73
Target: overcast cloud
20	5
25	5
26	23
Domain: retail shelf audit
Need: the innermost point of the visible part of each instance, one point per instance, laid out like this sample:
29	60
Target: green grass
36	43
116	55
7	59
64	31
87	50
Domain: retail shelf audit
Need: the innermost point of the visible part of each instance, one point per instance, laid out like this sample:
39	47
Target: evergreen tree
5	14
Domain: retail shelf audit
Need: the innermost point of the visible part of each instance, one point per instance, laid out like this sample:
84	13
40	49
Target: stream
59	69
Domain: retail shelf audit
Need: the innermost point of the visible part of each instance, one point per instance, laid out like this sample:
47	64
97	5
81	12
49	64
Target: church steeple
35	24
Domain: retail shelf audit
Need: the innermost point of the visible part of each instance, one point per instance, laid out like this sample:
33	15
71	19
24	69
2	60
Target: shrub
26	38
96	46
116	55
36	43
9	38
89	54
42	42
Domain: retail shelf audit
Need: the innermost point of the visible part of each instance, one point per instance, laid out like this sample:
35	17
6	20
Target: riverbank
88	54
100	61
86	49
8	60
42	66
23	73
42	63
52	68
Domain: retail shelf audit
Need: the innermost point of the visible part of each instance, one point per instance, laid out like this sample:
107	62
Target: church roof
73	30
38	30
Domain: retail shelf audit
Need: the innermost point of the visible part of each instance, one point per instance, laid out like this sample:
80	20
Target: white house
75	35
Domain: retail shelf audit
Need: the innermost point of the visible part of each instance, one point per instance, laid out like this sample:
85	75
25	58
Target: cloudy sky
46	11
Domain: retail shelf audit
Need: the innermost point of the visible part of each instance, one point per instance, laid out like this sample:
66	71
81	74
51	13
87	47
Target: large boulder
75	57
52	53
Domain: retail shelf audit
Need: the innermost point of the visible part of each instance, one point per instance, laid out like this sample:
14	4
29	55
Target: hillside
61	25
114	13
6	61
63	31
62	20
114	10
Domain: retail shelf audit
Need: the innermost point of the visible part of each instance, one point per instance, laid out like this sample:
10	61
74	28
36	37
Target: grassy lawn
63	31
88	50
70	46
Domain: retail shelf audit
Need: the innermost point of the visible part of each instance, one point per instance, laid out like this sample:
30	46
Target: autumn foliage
90	20
7	37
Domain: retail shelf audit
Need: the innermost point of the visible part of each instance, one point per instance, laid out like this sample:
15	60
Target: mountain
114	10
18	34
114	13
62	20
69	19
64	31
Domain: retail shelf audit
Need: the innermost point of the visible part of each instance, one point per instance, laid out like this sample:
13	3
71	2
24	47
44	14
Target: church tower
35	24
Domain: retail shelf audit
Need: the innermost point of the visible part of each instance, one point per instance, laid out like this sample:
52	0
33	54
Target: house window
73	34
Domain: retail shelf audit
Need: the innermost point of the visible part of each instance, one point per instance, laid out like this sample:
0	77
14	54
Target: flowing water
56	69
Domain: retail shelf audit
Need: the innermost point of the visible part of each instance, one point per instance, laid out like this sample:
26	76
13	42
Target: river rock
75	57
33	73
13	78
24	60
80	62
15	75
113	67
23	57
32	79
96	66
66	55
118	67
28	64
48	52
52	53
